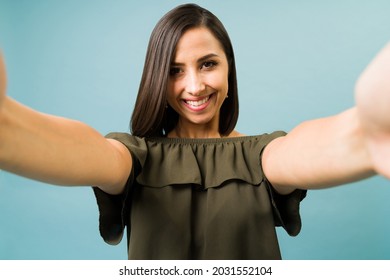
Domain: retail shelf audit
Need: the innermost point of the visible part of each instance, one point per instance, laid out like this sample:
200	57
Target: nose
194	83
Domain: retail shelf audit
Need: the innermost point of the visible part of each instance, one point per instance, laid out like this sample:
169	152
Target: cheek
220	82
171	92
173	88
170	99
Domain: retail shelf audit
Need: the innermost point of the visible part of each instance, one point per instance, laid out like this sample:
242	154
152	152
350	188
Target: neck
194	131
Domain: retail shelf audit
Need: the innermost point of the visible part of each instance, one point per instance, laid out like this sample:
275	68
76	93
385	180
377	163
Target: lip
200	107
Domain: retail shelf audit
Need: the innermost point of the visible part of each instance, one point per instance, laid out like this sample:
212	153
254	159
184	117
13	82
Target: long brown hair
151	116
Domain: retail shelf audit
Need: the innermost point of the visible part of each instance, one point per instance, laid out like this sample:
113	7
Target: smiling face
198	83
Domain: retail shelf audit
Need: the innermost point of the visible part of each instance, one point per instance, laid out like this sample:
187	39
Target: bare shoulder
235	133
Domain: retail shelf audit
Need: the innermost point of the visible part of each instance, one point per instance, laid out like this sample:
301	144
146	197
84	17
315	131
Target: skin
3	81
199	74
316	154
373	105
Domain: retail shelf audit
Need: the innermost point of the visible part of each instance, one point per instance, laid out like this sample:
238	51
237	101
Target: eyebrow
201	59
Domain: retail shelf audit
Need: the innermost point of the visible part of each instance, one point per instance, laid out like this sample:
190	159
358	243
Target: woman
186	184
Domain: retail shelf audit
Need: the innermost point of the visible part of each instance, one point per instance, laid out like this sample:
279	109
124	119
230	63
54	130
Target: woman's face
198	82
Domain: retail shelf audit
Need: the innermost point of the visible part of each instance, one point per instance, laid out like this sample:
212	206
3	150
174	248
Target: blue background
296	60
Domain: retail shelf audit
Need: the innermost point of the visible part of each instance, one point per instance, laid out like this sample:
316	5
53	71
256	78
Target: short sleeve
114	210
285	208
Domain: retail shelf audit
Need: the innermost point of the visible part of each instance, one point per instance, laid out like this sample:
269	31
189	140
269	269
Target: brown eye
209	64
174	71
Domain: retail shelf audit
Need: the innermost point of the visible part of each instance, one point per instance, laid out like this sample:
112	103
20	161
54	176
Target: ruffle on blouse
208	163
205	163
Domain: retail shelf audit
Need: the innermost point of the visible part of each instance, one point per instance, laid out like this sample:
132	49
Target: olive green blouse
198	199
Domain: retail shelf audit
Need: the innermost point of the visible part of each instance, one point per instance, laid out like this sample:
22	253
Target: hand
373	104
3	80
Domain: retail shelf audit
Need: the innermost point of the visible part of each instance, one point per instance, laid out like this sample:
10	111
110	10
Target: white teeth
197	103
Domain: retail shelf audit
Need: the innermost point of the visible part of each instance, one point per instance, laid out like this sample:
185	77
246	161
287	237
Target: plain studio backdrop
296	60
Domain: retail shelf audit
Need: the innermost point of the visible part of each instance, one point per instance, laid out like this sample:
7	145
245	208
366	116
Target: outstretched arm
58	150
373	105
347	147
